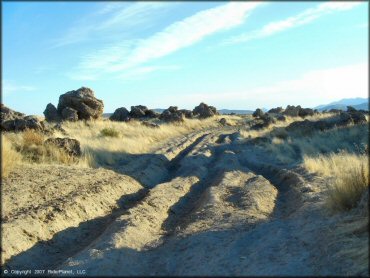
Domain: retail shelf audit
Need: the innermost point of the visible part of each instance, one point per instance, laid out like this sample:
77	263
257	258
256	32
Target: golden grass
350	173
9	157
277	128
132	137
32	137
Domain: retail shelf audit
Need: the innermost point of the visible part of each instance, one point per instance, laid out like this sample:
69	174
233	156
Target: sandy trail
203	205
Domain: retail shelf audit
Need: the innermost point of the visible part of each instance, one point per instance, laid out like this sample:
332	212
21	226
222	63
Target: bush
109	132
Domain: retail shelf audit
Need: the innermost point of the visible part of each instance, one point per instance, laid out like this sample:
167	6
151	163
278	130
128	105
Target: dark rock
151	125
187	113
120	115
276	110
172	109
358	117
69	114
304	112
334	110
351	109
167	116
70	146
281	118
151	114
223	121
308	126
204	111
83	101
9	114
138	111
51	113
258	113
292	111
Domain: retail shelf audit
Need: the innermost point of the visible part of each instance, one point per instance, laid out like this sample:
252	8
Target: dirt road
205	204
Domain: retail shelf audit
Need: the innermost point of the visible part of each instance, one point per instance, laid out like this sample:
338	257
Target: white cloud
10	87
302	18
129	54
311	89
113	18
139	72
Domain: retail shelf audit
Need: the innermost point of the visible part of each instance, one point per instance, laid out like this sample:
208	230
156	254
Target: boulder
151	114
138	111
16	121
69	114
351	109
83	101
358	117
223	121
9	114
334	110
308	126
120	115
70	146
276	110
304	112
281	118
51	113
204	111
187	113
292	111
258	113
167	116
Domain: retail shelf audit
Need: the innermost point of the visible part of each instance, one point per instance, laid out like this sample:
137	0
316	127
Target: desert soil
203	204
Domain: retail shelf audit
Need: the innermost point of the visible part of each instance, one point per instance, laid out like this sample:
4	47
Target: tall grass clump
109	132
350	173
9	157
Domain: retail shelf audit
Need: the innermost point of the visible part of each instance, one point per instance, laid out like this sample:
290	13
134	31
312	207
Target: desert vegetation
180	179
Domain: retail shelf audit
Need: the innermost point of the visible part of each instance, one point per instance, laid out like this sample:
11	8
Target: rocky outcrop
308	126
205	111
15	121
83	101
258	113
187	113
223	121
69	114
172	115
353	116
141	111
9	114
51	113
276	110
120	115
70	146
292	111
304	112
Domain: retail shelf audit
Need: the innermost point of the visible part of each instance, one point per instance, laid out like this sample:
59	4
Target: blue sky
236	55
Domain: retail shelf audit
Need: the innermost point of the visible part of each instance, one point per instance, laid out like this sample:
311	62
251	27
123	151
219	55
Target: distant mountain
357	103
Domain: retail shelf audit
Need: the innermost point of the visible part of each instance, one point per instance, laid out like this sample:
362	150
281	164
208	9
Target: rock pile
75	105
172	115
15	121
204	111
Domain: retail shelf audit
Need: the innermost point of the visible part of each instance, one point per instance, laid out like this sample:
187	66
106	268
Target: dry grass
29	148
131	137
350	173
277	129
9	157
32	137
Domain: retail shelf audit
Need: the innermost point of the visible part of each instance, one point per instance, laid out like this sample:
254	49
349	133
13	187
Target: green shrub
109	132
